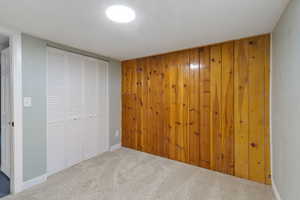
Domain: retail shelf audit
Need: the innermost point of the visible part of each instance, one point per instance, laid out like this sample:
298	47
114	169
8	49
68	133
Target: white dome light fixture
120	14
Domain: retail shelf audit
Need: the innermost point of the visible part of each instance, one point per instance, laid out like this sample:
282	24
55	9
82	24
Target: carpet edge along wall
207	106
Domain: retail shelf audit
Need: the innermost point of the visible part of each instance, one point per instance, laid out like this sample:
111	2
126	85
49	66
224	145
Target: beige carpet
130	175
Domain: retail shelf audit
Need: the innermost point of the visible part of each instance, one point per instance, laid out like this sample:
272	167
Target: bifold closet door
77	109
96	109
56	109
91	135
102	106
74	123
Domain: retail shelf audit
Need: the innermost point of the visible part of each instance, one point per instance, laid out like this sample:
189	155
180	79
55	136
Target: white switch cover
117	133
27	102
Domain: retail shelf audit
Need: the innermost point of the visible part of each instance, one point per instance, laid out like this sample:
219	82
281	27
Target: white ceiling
160	25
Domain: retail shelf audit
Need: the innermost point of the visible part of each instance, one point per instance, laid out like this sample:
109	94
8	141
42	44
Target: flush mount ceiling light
120	14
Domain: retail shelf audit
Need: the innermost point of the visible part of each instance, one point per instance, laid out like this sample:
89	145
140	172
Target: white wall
115	78
286	103
34	117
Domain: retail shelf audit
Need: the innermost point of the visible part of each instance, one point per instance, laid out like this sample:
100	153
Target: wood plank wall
207	106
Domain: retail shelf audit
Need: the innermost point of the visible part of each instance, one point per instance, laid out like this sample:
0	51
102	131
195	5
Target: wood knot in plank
197	133
253	144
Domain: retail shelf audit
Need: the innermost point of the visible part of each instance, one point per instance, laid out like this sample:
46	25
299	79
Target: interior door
5	111
74	123
56	110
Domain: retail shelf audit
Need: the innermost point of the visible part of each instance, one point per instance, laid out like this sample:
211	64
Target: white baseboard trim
276	192
115	147
35	181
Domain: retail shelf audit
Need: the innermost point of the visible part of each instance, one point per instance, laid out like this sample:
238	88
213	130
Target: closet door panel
75	71
102	88
56	158
91	140
74	125
91	134
90	86
102	105
56	87
73	142
56	112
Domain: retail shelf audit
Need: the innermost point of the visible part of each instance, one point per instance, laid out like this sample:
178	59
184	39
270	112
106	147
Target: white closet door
74	124
56	110
102	108
91	133
77	109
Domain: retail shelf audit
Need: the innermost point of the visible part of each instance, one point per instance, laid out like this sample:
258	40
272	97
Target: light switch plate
27	101
117	133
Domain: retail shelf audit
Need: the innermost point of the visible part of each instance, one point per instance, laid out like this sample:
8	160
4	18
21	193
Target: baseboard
38	180
115	147
276	192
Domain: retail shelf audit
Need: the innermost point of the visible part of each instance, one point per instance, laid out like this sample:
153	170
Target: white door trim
34	181
5	111
15	43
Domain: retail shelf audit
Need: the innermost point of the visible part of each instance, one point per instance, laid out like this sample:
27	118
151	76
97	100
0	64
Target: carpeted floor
130	175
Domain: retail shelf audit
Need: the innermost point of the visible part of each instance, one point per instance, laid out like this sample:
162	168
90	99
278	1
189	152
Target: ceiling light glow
120	14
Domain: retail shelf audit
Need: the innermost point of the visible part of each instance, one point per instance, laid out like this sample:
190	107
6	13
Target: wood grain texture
215	104
171	61
205	136
257	109
129	99
241	108
139	105
205	106
194	107
182	96
267	112
227	114
252	139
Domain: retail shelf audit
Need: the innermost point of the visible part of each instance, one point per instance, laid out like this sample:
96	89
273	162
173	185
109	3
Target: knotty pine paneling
194	107
206	106
256	109
252	140
267	73
227	116
205	134
215	104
